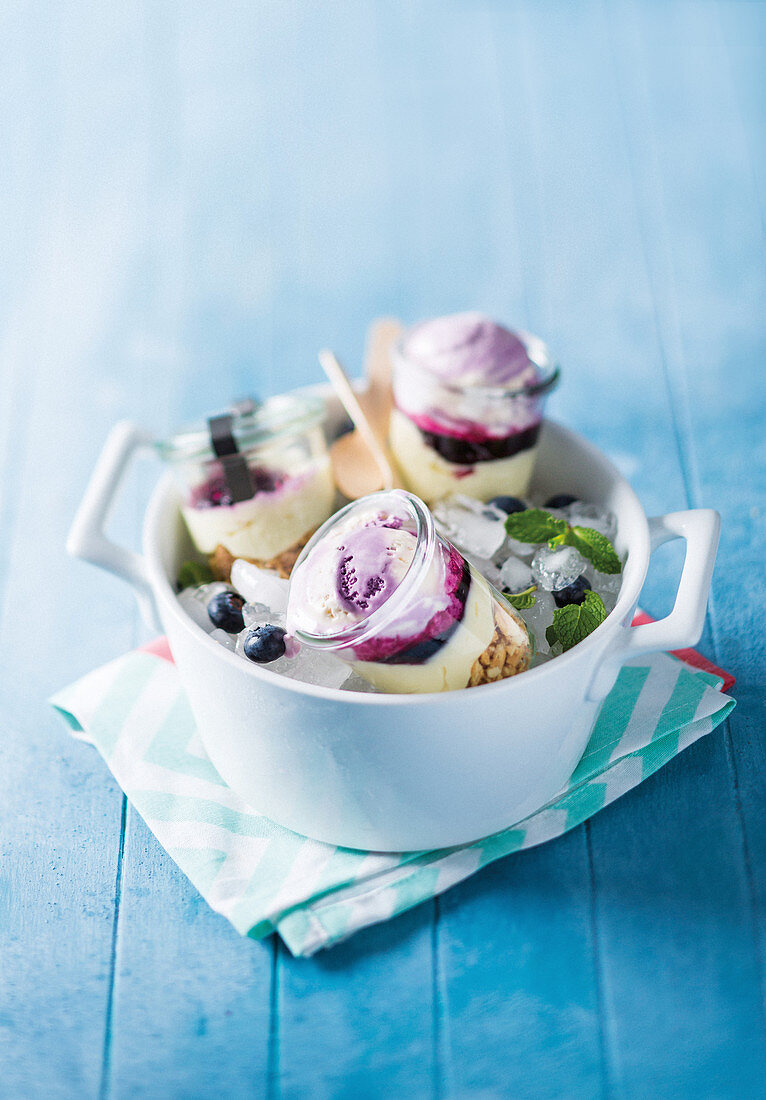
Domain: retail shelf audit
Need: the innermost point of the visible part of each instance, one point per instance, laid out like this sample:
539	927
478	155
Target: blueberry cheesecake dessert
379	588
255	482
468	404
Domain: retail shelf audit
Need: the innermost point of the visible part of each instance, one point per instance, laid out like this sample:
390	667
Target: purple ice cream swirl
436	626
448	366
350	575
467	349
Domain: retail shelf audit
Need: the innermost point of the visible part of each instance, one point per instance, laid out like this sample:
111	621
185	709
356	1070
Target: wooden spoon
360	461
377	399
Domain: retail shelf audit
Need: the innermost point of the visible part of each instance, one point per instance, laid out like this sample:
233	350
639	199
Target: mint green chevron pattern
264	878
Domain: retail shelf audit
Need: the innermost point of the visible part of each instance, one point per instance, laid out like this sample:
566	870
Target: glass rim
426	539
549	371
278	416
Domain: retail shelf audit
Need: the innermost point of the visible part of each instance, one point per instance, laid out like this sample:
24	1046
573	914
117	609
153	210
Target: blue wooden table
194	198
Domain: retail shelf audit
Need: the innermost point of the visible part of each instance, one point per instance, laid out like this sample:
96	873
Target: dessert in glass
468	404
256	481
378	587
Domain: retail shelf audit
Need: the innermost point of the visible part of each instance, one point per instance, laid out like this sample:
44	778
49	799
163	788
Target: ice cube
487	568
607	585
194	602
314	666
475	528
228	641
518	549
607	582
554	569
258	614
515	575
205	592
260	585
538	618
600	519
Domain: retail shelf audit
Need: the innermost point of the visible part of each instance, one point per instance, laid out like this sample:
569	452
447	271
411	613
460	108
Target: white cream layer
269	523
433	477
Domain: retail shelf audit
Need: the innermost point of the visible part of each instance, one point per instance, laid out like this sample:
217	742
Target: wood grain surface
193	199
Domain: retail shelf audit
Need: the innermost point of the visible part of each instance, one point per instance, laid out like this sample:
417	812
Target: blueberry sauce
214	492
427	647
467	452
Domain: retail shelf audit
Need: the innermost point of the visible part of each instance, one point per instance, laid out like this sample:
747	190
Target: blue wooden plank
517	961
189	1001
358	1021
60	813
712	251
226	190
191	997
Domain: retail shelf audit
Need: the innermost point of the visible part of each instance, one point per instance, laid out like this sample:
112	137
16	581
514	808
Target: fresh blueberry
265	643
225	612
560	500
509	505
573	593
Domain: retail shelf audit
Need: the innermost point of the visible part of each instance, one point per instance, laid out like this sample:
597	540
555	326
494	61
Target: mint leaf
193	573
534	525
558	540
551	636
576	621
521	600
596	548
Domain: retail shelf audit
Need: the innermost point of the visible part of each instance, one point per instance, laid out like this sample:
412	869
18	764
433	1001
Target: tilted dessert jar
468	404
256	480
380	588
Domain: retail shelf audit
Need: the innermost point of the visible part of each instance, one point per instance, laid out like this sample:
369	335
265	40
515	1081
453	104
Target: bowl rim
166	495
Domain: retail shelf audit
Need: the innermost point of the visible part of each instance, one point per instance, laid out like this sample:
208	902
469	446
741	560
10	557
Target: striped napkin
264	878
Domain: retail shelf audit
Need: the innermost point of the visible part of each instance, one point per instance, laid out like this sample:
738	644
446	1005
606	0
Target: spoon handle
340	383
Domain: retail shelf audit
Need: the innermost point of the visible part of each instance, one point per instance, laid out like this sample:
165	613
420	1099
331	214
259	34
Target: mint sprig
537	525
193	573
534	525
576	621
595	547
522	600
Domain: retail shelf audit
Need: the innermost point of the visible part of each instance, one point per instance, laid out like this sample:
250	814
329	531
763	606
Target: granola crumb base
507	653
221	560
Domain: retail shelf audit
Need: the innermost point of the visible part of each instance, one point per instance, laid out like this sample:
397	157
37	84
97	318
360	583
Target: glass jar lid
248	423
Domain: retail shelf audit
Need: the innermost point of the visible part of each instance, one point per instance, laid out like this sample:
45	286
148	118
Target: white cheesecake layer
450	666
432	477
268	523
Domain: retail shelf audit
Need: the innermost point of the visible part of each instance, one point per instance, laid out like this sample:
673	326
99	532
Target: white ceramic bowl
403	772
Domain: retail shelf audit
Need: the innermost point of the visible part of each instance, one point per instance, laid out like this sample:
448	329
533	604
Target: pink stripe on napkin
158	647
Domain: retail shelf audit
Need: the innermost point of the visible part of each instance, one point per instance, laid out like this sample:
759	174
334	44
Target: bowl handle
87	539
683	626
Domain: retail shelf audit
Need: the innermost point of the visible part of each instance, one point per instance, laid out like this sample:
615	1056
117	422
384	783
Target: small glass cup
379	587
256	481
480	441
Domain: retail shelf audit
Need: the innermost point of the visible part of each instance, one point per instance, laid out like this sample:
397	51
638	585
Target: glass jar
256	481
468	405
379	587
